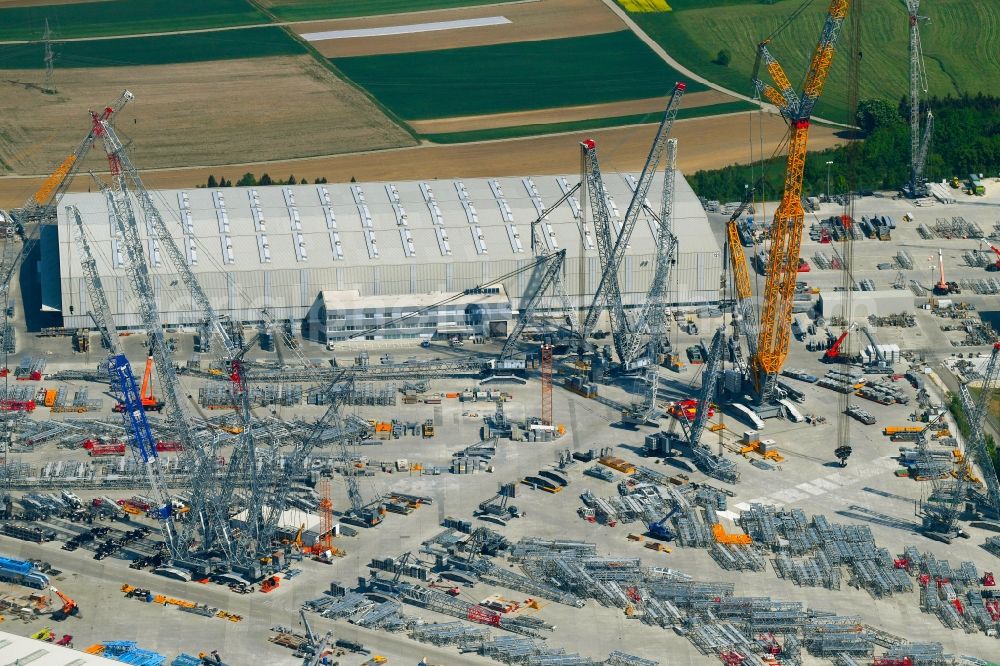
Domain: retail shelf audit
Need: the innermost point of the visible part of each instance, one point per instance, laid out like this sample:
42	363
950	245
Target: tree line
966	140
962	419
250	180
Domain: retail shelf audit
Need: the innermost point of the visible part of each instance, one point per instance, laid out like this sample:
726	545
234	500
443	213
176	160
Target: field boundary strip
646	6
405	29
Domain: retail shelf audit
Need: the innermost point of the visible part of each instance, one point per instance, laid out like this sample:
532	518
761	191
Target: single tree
212	182
876	113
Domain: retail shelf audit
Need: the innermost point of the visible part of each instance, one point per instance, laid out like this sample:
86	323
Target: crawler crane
69	606
786	230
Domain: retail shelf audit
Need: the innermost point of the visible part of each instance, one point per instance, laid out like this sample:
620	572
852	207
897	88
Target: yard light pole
829	163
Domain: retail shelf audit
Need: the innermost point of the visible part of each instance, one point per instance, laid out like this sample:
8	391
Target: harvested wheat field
652	105
200	113
705	143
529	21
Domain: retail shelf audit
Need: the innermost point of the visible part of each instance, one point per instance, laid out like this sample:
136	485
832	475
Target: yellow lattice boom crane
55	185
744	312
786	230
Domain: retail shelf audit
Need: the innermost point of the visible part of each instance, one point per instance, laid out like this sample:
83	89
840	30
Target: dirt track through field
531	21
652	105
200	113
705	143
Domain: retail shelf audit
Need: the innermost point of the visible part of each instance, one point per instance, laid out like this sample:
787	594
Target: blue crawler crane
660	529
140	436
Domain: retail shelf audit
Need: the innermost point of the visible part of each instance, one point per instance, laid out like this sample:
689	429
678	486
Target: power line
48	88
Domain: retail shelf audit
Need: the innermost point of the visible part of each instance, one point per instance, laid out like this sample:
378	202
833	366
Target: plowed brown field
704	143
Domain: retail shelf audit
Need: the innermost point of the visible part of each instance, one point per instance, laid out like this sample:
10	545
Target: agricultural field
513	77
196	113
959	45
521	22
705	143
311	10
648	109
510	131
156	50
26	20
550	66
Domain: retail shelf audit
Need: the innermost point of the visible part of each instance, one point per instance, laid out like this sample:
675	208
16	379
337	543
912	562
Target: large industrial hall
305	251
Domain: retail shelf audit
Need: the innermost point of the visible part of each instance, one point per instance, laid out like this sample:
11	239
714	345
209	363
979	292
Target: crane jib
136	424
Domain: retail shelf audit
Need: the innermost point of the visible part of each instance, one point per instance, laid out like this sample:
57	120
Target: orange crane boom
789	218
149	401
146	392
69	606
941	288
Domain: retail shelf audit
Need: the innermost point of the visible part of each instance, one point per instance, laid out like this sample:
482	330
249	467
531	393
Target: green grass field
514	77
580	125
159	50
124	17
308	10
960	45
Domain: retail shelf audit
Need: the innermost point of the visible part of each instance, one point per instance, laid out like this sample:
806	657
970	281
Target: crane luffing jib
138	433
541	249
921	158
553	265
142	286
918	85
163	236
56	184
119	369
243	461
102	308
538	247
337	393
212	504
976	412
652	314
51	190
602	220
709	382
745	311
612	252
783	95
786	231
